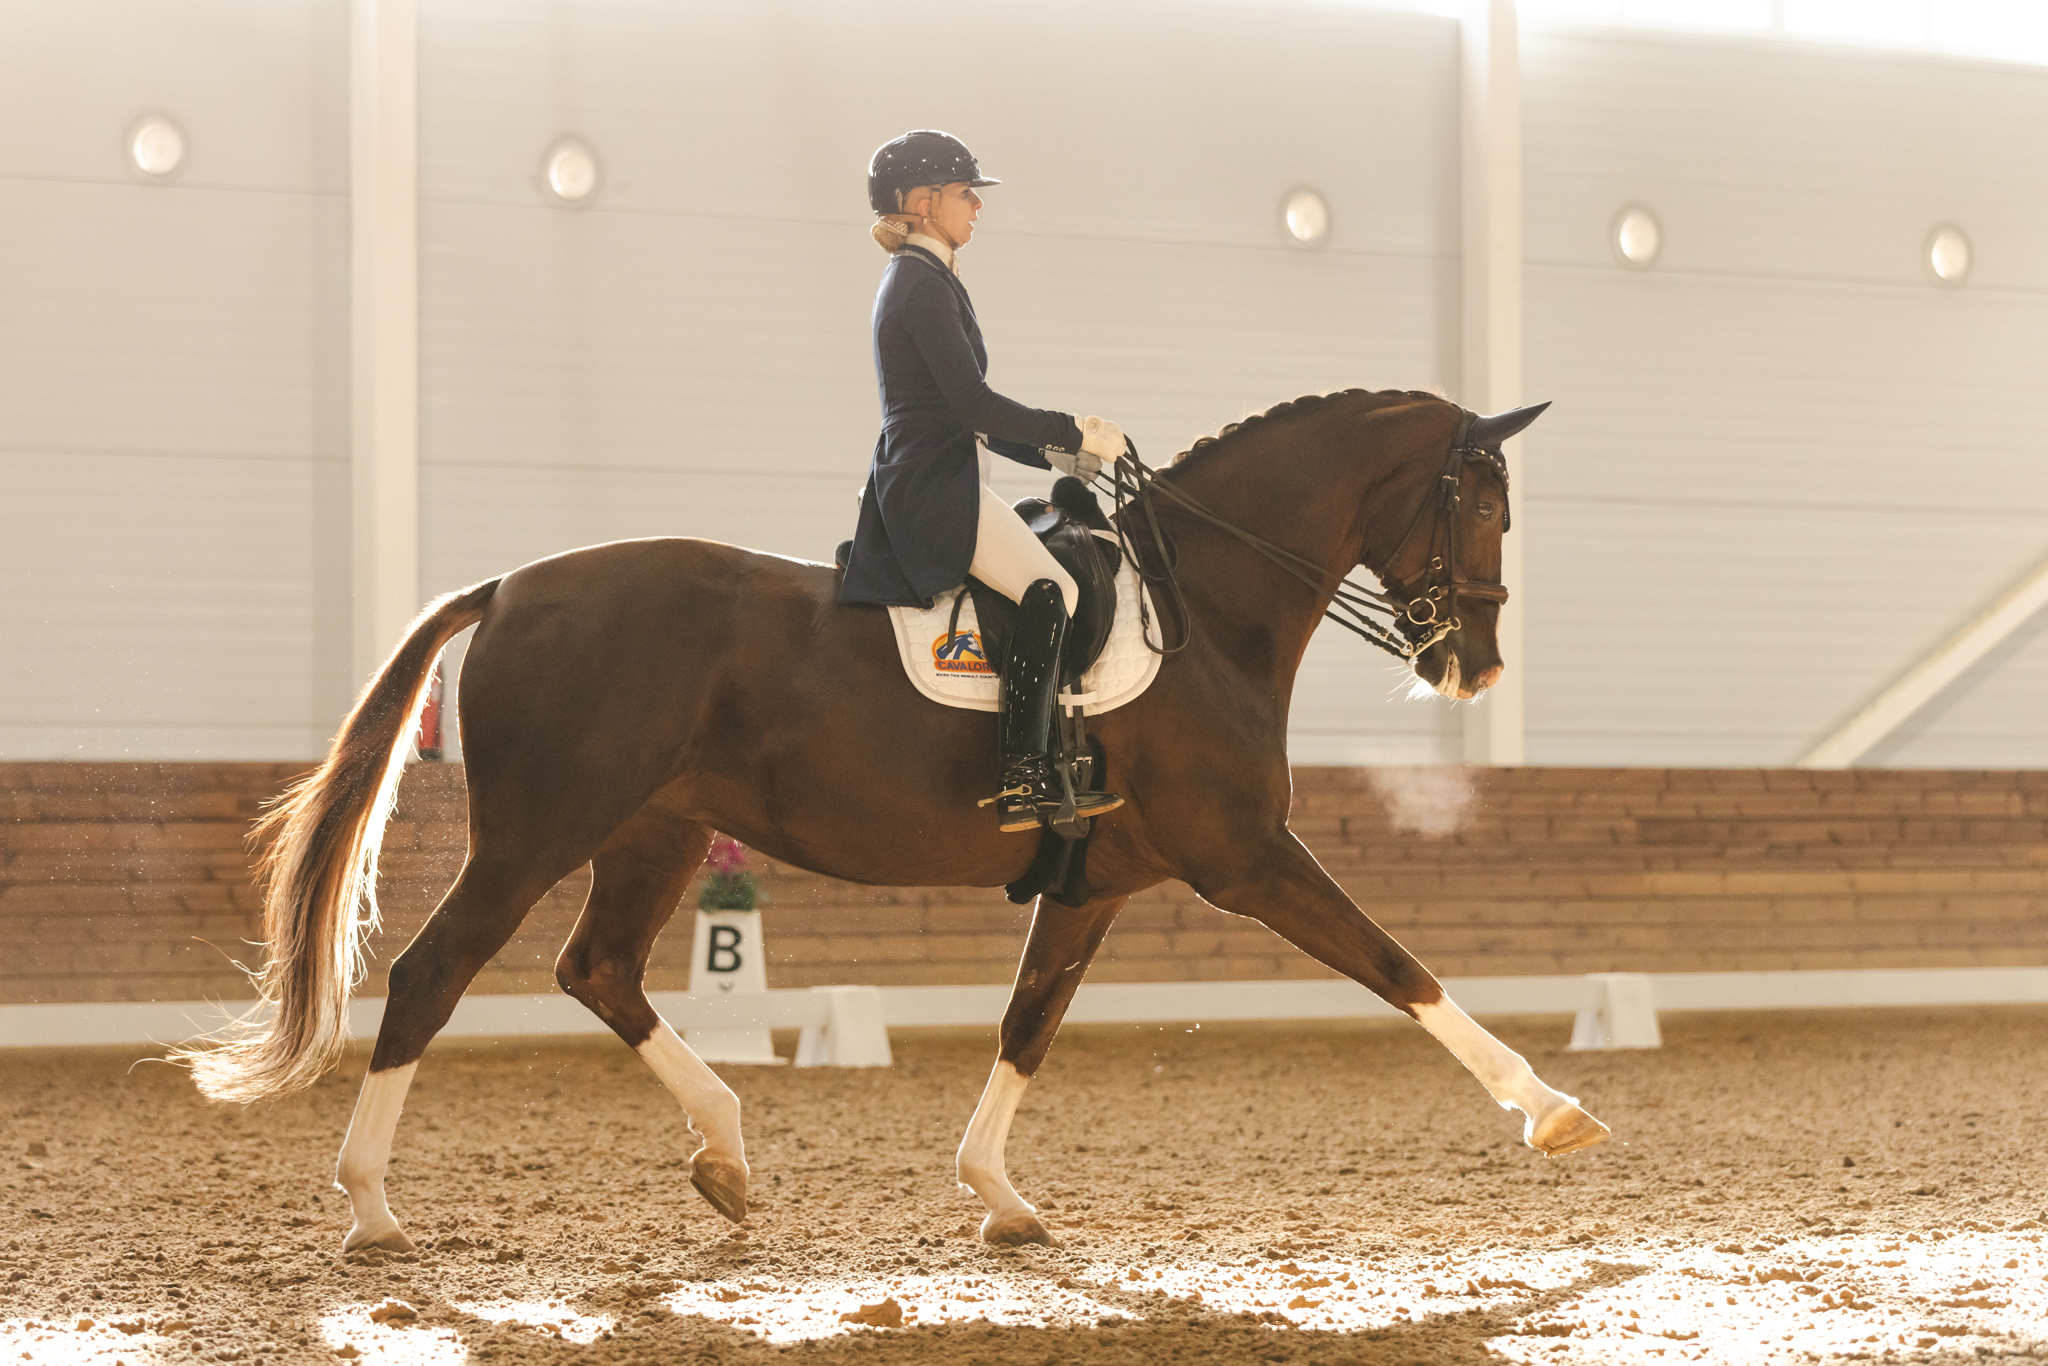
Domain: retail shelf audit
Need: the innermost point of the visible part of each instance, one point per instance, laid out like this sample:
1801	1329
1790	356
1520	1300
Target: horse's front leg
1056	955
1289	892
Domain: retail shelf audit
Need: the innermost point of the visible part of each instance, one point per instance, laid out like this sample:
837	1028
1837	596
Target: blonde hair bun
889	234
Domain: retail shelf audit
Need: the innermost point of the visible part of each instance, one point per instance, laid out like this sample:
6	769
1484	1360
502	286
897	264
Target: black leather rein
1410	630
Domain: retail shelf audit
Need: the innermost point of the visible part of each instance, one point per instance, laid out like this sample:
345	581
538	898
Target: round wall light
571	171
1637	237
1948	254
156	146
1305	216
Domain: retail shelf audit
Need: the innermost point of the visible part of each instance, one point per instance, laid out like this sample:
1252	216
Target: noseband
1421	611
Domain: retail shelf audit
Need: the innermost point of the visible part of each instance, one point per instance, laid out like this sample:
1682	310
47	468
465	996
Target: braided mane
1295	407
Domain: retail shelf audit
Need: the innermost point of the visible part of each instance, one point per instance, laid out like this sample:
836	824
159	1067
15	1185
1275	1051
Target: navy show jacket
915	538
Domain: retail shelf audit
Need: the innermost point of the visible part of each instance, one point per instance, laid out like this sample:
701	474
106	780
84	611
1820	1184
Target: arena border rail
847	1026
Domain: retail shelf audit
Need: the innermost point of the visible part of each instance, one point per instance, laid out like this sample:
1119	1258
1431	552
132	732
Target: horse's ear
1489	432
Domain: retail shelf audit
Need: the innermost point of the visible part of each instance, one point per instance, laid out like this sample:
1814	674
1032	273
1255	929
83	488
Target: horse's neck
1310	487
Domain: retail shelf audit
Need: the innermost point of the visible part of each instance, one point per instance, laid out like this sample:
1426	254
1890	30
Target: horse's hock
131	882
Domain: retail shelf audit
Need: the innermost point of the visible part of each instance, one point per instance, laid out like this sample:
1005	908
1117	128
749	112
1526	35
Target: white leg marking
709	1104
366	1152
1555	1122
980	1163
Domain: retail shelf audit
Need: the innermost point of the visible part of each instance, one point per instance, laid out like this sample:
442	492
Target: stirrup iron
1035	793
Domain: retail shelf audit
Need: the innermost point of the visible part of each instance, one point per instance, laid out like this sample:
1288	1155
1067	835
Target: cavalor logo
960	652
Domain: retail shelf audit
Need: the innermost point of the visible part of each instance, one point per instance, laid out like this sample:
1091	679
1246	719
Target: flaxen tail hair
319	874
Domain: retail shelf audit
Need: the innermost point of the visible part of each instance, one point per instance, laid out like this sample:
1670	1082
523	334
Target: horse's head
1447	570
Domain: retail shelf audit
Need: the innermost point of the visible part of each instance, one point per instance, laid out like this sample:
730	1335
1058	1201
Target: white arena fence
848	1026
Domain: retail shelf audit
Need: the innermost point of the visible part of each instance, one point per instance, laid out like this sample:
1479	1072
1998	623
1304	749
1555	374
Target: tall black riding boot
1034	790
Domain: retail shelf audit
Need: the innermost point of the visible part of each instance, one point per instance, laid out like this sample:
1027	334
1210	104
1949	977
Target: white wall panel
1666	634
171	607
171	320
1784	462
480	523
1990	718
1782	160
1674	386
173	382
260	88
1160	121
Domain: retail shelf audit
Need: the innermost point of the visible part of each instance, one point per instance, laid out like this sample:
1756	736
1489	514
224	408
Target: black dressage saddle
1067	523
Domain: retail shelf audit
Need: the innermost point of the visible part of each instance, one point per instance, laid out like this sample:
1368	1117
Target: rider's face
953	208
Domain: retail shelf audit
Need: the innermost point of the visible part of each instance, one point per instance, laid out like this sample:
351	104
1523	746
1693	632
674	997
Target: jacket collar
936	249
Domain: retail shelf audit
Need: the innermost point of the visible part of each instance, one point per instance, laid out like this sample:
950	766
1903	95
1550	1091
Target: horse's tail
319	876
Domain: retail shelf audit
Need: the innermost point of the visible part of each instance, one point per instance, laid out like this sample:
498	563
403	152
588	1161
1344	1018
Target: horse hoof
392	1239
723	1184
1566	1131
1015	1230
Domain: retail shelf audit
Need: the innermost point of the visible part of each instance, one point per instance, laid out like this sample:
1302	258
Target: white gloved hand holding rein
1102	439
1102	443
1079	464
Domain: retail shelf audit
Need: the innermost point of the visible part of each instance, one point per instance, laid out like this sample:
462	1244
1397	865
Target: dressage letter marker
728	961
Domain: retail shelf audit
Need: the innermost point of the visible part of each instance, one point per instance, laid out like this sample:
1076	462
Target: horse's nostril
1487	678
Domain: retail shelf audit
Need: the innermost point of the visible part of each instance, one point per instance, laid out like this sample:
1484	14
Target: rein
1436	586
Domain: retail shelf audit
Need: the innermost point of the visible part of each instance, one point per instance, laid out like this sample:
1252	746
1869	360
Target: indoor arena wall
131	882
1784	462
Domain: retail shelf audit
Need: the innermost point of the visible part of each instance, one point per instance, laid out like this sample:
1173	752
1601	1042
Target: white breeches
1009	559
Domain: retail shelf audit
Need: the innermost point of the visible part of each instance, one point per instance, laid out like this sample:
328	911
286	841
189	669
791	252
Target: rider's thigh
1009	559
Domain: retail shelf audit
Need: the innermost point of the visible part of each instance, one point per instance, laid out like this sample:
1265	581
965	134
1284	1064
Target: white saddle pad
961	676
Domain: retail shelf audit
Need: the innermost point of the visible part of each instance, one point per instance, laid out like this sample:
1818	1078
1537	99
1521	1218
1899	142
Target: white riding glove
1102	439
1079	464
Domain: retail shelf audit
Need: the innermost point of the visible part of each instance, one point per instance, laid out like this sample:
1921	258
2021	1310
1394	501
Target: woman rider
927	517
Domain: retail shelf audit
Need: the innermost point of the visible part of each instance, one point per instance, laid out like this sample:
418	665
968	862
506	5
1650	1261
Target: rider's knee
1063	582
1070	592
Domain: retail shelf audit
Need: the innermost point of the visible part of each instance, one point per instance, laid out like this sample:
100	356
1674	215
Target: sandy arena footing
1852	1186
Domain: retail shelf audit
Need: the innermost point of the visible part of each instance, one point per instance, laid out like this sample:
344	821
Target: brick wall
130	882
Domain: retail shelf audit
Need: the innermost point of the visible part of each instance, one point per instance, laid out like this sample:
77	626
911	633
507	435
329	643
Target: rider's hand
1102	439
1080	464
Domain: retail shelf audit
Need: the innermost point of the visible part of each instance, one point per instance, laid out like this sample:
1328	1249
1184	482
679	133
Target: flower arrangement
730	887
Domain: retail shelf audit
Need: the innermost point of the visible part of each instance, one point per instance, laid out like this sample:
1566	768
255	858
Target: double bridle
1422	610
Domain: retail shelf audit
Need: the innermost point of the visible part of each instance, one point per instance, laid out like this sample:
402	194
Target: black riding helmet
925	157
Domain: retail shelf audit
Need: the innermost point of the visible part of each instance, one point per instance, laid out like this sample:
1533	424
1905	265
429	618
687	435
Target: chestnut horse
621	703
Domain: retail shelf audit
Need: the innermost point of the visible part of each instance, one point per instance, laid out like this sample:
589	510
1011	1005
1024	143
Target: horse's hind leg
636	880
1063	940
480	912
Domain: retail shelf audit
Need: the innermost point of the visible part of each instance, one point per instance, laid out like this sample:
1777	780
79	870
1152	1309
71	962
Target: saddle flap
1067	525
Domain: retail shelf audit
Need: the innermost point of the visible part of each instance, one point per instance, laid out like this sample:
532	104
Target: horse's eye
1487	512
